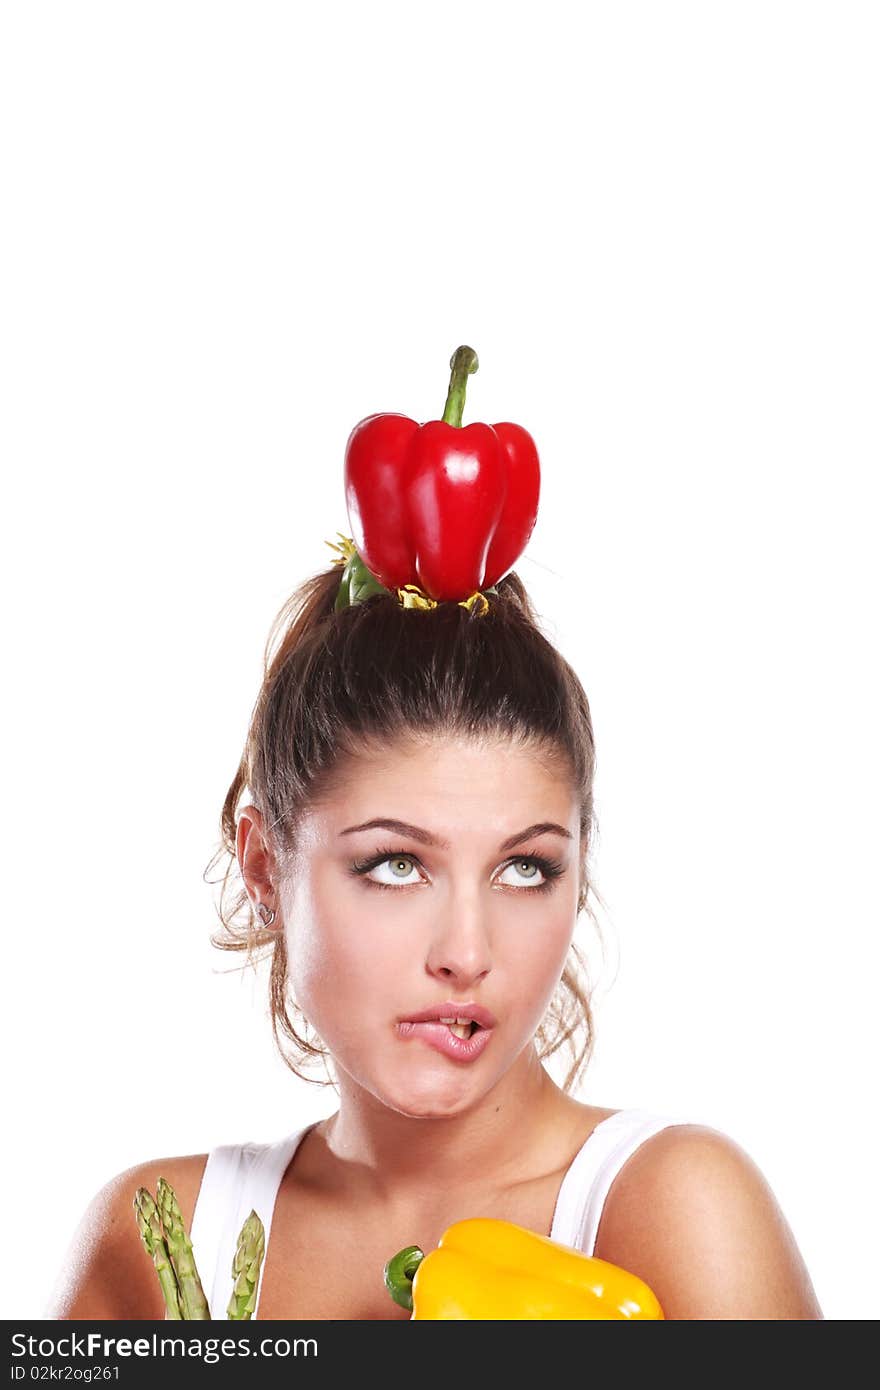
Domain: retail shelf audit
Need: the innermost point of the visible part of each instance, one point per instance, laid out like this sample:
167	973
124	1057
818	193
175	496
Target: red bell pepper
446	507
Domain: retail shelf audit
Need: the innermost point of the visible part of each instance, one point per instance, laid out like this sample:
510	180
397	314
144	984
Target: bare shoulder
107	1273
692	1214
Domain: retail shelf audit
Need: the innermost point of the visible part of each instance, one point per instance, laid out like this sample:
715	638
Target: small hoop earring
266	917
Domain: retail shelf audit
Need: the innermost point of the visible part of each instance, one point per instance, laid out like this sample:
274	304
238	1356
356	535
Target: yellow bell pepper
495	1270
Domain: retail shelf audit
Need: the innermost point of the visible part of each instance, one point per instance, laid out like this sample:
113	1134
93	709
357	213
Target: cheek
342	954
536	958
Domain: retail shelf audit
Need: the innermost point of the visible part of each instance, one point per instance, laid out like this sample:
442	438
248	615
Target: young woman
412	820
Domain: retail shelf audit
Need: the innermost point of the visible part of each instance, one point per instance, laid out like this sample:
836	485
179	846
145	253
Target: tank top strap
589	1176
238	1179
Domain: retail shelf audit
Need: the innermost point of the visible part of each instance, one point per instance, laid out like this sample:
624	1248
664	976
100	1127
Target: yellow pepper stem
400	1272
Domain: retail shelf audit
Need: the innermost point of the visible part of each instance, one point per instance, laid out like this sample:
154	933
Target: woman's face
451	904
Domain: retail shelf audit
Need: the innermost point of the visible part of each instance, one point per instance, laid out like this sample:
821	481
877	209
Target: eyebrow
401	827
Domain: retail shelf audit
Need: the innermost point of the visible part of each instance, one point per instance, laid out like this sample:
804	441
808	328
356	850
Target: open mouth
439	1033
463	1030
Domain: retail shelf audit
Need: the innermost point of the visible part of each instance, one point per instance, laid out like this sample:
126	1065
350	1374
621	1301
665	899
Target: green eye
394	864
525	869
399	869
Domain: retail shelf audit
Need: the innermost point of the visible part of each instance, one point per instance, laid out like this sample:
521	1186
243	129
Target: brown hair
370	674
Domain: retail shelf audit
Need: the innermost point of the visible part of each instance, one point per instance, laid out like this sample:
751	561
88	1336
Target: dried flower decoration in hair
438	512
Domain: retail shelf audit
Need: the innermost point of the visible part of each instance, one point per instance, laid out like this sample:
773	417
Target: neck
386	1155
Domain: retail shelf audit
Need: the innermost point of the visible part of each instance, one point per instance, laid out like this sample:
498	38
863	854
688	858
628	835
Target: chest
323	1263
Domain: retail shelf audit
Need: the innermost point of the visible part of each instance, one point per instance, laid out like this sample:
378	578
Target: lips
441	1038
451	1008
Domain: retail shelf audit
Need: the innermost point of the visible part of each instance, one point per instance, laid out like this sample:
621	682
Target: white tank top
239	1178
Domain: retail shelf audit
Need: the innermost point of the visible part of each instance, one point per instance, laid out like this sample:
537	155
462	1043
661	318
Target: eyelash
550	868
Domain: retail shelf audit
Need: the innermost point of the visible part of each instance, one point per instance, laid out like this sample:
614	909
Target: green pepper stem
463	362
400	1272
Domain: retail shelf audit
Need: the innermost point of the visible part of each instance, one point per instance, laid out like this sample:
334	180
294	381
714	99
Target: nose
459	952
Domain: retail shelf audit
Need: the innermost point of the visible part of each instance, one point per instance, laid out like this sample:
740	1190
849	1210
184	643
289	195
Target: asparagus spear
193	1303
246	1268
156	1247
167	1243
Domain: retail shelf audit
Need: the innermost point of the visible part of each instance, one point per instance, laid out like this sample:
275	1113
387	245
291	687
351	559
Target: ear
255	858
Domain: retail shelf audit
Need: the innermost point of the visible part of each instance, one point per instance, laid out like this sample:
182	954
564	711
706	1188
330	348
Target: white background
233	230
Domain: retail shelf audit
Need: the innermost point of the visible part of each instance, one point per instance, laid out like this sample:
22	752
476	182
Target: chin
434	1098
428	1111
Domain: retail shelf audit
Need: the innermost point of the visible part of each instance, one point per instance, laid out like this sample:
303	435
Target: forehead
452	785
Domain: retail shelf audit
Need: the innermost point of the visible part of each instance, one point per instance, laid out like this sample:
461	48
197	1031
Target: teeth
461	1030
461	1027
